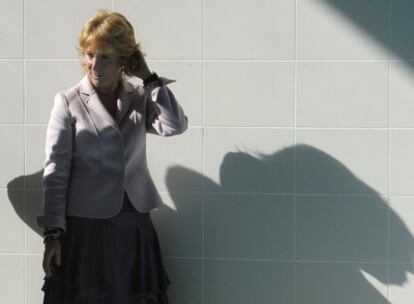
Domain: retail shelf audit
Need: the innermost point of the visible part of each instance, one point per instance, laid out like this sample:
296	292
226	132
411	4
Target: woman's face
104	68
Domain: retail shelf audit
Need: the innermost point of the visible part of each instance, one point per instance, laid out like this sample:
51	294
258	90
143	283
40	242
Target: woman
100	243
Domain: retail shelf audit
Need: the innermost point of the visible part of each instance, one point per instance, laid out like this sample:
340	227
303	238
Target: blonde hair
111	32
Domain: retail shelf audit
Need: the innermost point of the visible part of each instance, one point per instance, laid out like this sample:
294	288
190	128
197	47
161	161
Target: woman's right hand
52	251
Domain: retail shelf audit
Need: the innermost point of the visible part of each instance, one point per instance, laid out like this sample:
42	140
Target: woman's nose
96	63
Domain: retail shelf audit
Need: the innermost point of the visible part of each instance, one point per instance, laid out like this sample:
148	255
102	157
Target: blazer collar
92	101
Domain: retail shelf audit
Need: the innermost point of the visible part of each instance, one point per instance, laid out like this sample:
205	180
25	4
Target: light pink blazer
91	158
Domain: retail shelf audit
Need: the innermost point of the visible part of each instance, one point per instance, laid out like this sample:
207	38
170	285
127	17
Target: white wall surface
294	182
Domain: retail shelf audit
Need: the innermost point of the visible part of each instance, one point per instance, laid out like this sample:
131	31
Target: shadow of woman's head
339	218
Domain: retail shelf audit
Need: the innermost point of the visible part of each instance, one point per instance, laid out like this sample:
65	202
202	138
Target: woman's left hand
142	71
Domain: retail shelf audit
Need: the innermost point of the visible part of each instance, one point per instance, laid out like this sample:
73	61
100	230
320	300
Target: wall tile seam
295	96
292	127
299	60
229	60
80	59
21	124
297	194
383	60
211	193
389	146
27	59
22	254
6	253
203	119
304	261
25	149
20	189
406	195
254	127
45	124
298	261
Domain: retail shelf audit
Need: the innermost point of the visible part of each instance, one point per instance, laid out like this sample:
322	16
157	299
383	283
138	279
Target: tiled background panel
231	176
45	78
402	229
12	156
338	161
167	155
52	27
179	224
11	94
401	29
11	223
249	160
246	282
35	155
249	94
401	160
12	279
342	228
186	277
188	88
342	94
34	279
166	29
249	226
263	29
342	29
326	283
11	28
401	288
401	94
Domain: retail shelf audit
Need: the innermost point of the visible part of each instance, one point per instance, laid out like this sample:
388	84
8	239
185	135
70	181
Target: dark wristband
51	237
152	78
53	231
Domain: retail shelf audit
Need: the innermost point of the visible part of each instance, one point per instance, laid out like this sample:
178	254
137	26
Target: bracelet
52	231
51	237
152	78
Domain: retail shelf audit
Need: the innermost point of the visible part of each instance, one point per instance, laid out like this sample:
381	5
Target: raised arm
164	115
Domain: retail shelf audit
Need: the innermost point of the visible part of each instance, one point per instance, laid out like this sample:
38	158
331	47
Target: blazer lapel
94	104
125	101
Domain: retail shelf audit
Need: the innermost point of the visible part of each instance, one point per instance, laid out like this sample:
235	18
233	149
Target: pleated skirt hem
109	261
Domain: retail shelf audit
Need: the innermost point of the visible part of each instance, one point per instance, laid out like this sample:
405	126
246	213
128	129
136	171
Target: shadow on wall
34	206
373	19
250	214
337	236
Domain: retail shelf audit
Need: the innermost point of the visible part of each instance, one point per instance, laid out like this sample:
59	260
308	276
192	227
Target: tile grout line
389	147
264	127
239	259
384	195
230	60
24	151
321	128
304	261
295	65
203	19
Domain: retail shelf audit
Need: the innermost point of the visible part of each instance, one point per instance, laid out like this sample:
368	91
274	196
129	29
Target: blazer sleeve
164	115
57	166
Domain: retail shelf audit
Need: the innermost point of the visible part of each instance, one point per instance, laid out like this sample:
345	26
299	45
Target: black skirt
109	261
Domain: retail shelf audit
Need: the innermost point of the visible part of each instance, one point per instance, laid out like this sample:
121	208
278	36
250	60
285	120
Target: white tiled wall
294	183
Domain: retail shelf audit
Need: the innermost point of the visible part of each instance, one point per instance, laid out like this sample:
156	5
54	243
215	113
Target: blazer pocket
86	154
